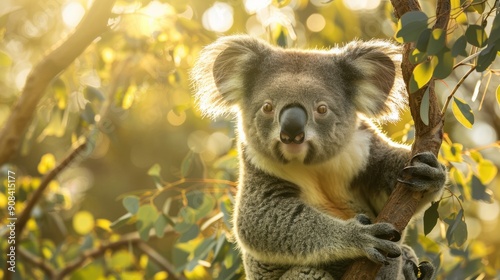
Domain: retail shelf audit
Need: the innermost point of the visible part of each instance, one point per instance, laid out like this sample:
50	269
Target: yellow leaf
486	171
121	260
143	261
452	153
198	273
162	275
462	112
83	222
104	224
47	163
460	178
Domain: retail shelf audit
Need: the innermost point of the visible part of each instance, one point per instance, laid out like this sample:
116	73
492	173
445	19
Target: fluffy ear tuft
220	74
379	85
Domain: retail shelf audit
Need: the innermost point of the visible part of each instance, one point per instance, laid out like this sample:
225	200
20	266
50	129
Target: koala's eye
322	109
267	107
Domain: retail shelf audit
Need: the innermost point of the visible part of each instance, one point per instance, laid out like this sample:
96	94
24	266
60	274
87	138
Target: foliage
151	194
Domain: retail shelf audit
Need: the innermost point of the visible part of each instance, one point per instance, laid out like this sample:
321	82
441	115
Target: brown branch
30	204
403	203
159	260
49	271
92	25
88	255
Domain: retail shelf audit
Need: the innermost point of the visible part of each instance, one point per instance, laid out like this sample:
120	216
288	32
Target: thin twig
159	260
445	107
26	214
38	262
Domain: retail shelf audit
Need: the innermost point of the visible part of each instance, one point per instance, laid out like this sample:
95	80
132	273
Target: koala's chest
327	188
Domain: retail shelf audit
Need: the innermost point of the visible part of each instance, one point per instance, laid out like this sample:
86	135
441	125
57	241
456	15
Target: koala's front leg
274	225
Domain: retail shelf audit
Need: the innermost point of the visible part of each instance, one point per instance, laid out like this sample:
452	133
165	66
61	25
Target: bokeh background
130	97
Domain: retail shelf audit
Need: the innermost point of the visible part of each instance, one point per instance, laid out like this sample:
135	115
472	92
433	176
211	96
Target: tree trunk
403	202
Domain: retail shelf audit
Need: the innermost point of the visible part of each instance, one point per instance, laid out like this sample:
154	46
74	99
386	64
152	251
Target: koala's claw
424	271
376	240
425	173
363	219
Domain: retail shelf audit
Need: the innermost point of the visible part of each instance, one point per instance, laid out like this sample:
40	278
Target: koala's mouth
294	152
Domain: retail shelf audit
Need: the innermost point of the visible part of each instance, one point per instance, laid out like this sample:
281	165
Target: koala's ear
222	72
374	67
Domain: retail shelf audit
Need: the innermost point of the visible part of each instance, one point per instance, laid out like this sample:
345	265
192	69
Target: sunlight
315	22
361	4
72	13
218	18
252	6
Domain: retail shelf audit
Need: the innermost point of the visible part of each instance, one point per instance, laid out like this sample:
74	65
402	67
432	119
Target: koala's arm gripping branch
403	202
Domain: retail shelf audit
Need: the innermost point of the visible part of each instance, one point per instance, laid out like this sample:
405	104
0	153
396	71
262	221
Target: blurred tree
101	128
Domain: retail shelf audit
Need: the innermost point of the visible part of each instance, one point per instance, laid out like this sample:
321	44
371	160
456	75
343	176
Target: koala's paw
375	240
425	173
424	271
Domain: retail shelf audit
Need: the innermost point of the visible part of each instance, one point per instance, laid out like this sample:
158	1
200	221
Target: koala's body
313	168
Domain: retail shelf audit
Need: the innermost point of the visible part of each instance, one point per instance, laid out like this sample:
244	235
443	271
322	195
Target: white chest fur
325	186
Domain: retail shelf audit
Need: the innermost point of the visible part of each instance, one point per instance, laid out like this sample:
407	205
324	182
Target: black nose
293	122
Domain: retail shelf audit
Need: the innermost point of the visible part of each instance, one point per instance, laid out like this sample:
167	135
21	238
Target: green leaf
437	41
431	217
189	234
88	114
206	207
146	217
417	56
423	40
187	164
479	191
462	112
421	75
459	47
486	57
476	35
424	108
495	30
155	170
161	223
457	231
91	93
123	220
131	203
412	25
444	65
204	248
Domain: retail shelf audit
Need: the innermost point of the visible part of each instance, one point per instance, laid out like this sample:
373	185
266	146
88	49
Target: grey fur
303	211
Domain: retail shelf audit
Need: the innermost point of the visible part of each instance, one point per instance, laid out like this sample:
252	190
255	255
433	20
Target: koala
314	168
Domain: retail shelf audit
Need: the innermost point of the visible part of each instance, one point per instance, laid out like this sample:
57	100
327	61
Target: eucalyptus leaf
424	108
431	217
131	204
459	46
476	35
462	112
412	25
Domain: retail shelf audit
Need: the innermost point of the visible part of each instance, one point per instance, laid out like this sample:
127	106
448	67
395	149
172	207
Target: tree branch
403	202
26	214
92	25
30	204
128	239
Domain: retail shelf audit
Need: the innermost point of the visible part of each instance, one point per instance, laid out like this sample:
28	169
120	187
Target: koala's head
296	104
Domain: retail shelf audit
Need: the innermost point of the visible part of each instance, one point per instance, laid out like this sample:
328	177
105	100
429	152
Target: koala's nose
293	122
